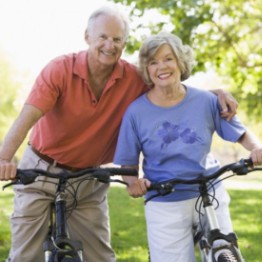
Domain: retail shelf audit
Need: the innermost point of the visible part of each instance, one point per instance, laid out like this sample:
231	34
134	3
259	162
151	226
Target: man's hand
227	102
7	170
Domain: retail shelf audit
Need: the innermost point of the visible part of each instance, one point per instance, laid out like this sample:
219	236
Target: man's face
106	40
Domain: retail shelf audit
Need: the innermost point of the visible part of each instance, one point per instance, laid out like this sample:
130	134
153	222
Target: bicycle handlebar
241	167
28	176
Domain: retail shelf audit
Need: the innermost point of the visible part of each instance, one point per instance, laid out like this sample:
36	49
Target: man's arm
14	138
227	102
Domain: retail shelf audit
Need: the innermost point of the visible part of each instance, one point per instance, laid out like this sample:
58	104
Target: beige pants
88	222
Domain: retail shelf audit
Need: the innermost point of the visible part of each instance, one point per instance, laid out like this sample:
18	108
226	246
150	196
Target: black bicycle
208	230
58	245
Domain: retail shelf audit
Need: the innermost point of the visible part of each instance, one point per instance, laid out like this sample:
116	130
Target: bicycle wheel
60	258
227	256
71	260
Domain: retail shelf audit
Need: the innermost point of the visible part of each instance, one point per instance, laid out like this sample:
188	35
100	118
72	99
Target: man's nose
109	43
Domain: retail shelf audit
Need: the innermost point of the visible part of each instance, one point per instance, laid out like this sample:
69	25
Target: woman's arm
250	142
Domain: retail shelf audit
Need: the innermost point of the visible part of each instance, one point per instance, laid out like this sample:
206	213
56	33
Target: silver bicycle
207	234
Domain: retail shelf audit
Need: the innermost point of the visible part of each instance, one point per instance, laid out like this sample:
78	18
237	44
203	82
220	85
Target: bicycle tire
71	260
227	256
65	259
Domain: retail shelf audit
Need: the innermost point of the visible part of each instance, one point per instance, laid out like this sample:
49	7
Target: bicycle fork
215	242
58	244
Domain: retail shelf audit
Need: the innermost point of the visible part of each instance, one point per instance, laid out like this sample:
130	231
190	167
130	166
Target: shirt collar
81	69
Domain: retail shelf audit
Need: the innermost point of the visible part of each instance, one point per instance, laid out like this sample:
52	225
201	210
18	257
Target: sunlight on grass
6	207
128	227
246	214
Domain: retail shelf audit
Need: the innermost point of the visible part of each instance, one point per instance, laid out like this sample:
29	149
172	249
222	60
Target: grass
129	228
6	206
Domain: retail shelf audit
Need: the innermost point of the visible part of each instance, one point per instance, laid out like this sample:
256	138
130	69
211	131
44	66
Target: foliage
225	36
8	92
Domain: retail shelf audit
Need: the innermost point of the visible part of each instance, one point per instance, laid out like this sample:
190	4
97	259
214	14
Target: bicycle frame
211	241
59	245
210	233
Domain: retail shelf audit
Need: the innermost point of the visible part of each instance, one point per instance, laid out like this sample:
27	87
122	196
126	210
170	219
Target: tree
225	36
8	94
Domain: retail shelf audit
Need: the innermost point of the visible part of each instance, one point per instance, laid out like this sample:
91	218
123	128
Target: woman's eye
152	62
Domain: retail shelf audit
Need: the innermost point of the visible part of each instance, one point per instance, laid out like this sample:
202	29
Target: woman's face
163	69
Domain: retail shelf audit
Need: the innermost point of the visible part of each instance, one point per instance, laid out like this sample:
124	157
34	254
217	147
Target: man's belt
53	162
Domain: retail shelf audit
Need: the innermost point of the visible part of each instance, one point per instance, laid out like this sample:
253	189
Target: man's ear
86	36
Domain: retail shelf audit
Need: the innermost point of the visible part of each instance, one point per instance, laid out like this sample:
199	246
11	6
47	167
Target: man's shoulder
67	62
70	57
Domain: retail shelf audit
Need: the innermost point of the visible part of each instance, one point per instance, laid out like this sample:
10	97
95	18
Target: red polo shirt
76	129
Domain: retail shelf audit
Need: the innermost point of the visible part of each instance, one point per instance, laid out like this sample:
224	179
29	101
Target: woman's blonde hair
183	54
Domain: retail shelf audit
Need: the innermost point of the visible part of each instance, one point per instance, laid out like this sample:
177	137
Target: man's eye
118	40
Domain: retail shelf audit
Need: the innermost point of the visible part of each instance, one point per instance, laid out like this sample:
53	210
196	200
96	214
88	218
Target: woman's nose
161	64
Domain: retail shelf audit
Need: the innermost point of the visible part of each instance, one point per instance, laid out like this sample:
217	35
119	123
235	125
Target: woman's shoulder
138	101
137	104
201	93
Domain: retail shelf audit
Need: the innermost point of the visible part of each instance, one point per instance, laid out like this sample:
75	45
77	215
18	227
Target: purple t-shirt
175	141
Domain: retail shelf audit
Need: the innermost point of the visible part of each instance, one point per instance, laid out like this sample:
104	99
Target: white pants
170	227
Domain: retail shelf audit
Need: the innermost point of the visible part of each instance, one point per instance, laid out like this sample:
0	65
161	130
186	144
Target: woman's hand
256	156
138	187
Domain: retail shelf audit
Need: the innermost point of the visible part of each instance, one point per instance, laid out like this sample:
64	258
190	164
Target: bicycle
58	245
208	231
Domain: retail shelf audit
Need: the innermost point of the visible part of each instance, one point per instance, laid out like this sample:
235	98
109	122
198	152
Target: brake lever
243	167
23	177
14	182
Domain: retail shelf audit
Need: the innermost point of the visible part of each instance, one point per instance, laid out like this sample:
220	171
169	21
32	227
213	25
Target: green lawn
129	230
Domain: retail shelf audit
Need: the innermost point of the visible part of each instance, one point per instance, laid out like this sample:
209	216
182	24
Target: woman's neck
167	96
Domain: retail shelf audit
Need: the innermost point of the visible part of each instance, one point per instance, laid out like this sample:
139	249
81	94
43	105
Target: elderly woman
172	126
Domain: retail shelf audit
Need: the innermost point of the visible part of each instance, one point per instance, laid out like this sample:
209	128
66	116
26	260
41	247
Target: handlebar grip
242	167
164	186
26	177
